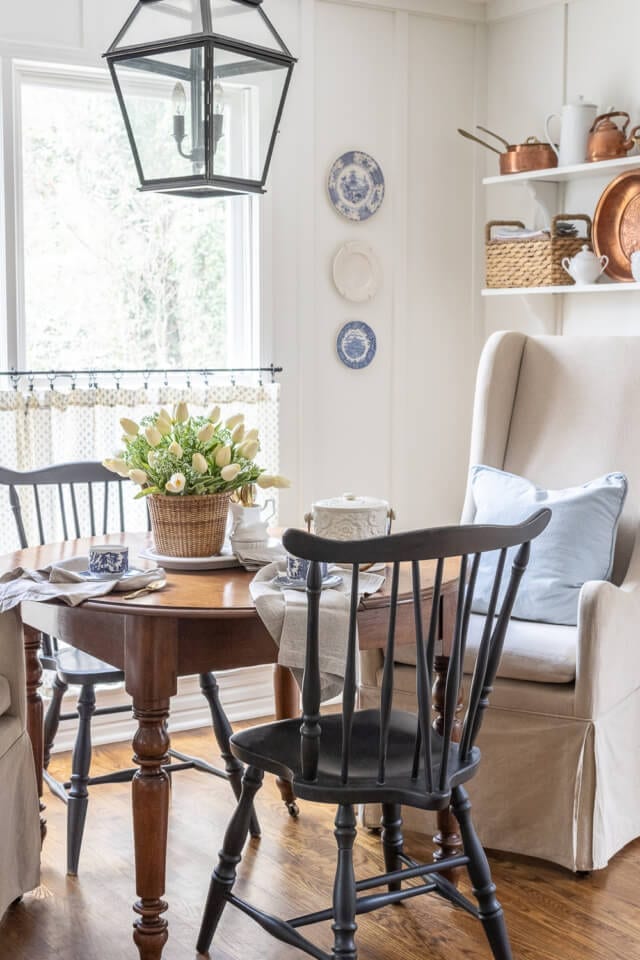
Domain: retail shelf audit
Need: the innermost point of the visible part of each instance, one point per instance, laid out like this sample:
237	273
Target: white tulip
138	476
251	434
231	472
223	456
199	463
249	449
265	480
117	466
175	449
153	435
176	484
205	434
214	415
235	420
165	415
130	427
152	458
129	437
163	426
281	483
181	412
237	434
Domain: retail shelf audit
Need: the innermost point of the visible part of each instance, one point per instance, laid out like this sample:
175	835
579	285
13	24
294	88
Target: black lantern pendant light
201	85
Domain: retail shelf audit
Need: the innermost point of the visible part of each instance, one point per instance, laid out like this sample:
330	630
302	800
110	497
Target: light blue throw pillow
577	545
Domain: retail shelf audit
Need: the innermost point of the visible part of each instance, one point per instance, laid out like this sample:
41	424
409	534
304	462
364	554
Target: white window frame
249	327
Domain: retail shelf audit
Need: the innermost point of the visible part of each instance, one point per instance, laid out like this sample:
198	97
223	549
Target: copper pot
519	157
607	141
530	155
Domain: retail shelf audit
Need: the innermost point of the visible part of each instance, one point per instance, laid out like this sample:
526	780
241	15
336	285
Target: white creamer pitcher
576	120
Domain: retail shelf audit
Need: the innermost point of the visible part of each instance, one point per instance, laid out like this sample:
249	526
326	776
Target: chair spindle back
434	760
85	499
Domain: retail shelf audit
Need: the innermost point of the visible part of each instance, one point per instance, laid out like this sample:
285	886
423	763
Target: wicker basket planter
534	262
189	526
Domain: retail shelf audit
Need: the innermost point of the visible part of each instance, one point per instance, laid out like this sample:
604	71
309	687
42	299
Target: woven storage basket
535	262
189	526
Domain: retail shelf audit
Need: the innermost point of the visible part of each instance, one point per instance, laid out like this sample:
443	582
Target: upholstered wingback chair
560	777
19	807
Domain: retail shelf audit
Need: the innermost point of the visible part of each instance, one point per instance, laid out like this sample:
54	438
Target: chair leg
222	730
344	890
229	857
392	839
80	763
52	719
484	890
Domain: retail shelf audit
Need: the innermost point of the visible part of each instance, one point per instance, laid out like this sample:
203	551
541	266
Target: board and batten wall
394	78
540	55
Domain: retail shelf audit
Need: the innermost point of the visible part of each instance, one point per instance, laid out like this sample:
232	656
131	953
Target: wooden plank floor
551	914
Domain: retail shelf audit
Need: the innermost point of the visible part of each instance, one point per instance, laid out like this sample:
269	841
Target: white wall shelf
560	174
568	288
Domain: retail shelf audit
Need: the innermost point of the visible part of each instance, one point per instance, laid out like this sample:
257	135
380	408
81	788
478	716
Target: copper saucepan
519	157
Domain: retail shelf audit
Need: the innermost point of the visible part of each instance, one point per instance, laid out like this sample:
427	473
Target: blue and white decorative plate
356	185
356	344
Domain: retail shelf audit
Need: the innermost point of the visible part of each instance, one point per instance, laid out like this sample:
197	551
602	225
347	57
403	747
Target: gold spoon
150	588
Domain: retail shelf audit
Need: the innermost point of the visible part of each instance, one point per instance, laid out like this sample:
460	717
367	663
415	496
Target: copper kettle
607	141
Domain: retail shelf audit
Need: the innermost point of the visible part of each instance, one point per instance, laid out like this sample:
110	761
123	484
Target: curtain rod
118	373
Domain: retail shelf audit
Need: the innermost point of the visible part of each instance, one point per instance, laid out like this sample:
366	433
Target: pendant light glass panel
164	100
243	23
250	90
162	20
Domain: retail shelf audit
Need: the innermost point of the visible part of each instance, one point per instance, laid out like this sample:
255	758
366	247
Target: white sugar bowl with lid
350	517
585	267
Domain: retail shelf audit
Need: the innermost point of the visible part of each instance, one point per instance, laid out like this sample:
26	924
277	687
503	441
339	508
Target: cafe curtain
40	427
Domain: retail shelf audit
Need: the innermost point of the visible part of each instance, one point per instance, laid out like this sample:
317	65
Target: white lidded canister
350	517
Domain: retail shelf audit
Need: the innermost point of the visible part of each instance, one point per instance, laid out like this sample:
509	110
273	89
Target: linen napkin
57	582
255	554
284	614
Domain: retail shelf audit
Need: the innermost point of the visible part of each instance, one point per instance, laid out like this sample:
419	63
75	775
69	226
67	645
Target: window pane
114	277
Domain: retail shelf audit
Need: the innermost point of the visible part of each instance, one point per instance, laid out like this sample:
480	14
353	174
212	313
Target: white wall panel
435	344
525	83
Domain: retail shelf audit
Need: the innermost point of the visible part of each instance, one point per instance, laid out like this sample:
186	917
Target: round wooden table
201	622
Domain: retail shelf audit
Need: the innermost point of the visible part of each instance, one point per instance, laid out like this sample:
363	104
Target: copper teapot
607	141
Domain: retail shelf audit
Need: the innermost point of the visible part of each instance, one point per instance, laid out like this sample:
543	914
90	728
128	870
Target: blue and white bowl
298	569
108	560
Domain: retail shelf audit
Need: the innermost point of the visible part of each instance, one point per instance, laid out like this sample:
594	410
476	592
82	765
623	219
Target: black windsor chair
84	492
383	755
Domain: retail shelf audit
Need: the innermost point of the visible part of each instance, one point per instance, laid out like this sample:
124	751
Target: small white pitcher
249	524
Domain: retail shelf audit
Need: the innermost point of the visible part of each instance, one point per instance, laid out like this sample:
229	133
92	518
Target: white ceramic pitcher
575	122
249	525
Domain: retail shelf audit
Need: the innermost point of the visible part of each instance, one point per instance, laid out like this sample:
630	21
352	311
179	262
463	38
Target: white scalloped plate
220	561
357	273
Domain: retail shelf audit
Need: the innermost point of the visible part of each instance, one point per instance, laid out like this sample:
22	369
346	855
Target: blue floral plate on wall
356	185
356	344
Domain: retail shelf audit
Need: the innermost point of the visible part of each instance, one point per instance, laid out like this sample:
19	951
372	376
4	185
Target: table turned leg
287	697
150	798
32	640
151	679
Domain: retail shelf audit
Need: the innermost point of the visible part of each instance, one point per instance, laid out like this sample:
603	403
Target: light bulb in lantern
179	100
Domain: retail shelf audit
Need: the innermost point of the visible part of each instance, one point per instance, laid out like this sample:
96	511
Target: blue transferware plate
127	575
356	344
356	185
331	580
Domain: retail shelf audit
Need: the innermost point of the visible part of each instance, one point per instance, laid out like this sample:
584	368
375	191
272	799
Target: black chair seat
275	747
74	666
